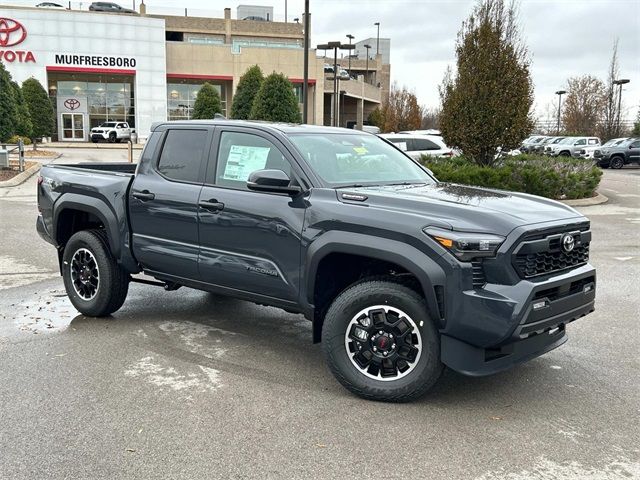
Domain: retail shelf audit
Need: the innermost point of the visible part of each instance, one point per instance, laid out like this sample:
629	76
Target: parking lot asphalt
187	384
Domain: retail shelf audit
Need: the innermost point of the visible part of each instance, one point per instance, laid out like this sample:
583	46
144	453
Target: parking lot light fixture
620	82
366	75
559	93
335	46
350	37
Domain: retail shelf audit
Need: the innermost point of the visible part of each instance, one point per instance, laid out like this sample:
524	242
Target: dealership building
147	68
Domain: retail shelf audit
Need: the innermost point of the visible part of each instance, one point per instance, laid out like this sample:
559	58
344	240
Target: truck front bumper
503	325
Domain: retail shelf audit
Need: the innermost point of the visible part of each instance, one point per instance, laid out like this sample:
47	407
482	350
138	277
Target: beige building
120	67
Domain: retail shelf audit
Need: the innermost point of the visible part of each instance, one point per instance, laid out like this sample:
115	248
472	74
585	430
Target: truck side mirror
272	181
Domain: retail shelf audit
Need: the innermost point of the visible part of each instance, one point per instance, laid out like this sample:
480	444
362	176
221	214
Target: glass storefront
103	98
181	95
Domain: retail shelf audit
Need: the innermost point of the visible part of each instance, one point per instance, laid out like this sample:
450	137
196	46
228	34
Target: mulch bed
9	173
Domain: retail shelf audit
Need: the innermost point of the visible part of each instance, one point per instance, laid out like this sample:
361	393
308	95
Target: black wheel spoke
383	343
85	275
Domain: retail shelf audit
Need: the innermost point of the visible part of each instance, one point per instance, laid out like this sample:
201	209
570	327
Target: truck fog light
539	305
588	288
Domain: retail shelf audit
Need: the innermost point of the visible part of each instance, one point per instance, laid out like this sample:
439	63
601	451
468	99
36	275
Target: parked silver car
571	146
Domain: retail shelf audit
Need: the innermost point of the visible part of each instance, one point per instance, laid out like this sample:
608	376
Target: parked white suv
417	145
588	152
111	132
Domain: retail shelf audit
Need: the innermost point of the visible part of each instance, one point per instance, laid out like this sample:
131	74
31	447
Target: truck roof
286	128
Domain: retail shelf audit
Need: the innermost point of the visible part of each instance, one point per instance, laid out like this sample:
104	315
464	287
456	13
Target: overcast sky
565	37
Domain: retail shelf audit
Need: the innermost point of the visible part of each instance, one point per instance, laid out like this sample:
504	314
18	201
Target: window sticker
360	150
244	160
402	146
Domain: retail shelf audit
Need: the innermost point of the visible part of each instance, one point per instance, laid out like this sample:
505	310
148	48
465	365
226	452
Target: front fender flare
425	269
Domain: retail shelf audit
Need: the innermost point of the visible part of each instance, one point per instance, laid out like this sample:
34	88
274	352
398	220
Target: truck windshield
343	159
108	124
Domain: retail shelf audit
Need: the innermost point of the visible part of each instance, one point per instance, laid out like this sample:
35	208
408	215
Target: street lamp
559	93
335	46
620	82
350	37
366	75
377	24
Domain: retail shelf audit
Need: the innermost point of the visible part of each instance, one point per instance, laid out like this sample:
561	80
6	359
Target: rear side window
181	155
581	142
635	144
420	144
593	141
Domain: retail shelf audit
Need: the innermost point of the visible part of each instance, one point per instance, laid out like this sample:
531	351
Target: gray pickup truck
399	273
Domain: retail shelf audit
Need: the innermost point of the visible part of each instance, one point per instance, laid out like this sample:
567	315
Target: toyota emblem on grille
568	242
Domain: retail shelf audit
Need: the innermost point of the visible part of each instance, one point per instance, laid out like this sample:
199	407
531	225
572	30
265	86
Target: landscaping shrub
207	103
14	140
558	178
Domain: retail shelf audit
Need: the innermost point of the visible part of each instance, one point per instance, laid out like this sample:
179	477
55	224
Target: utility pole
305	79
559	93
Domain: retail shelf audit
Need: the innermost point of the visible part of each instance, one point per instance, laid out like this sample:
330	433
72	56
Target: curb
599	199
97	146
21	177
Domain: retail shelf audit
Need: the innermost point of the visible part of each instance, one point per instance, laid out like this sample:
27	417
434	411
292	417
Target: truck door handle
144	195
211	205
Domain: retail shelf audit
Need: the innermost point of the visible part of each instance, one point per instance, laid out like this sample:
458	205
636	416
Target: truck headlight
466	246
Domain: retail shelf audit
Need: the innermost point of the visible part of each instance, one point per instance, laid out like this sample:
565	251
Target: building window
205	40
237	44
181	97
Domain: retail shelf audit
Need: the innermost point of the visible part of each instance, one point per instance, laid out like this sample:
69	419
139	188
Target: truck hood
465	208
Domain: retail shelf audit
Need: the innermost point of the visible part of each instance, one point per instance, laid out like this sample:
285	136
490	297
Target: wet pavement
187	384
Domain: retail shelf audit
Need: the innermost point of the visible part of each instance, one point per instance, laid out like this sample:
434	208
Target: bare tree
400	112
586	98
430	118
610	127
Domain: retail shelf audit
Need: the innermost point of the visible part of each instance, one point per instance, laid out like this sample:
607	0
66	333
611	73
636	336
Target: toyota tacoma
399	274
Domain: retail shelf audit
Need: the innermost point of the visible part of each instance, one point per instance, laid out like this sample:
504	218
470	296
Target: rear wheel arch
76	213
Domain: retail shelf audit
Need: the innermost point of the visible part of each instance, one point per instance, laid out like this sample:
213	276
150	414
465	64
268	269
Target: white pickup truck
111	132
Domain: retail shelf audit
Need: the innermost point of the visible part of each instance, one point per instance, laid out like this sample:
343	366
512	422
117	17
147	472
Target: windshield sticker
244	160
360	150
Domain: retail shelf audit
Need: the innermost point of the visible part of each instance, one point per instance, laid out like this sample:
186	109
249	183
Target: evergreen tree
23	124
207	103
8	110
487	103
40	109
276	101
246	92
636	126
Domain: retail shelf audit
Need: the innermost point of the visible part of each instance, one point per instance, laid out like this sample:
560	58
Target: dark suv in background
617	156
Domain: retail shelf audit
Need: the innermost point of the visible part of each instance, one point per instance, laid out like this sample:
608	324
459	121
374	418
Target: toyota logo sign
12	32
71	103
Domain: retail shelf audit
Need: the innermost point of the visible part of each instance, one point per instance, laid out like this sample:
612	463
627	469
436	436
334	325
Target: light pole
377	24
620	82
366	75
350	37
559	93
335	46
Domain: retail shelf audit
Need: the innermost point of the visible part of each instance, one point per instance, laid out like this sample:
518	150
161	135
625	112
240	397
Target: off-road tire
113	137
113	279
381	291
616	162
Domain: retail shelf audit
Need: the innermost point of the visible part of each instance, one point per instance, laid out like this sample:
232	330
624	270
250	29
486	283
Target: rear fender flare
95	206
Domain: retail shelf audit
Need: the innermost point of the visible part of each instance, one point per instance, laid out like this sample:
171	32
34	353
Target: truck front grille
544	254
478	278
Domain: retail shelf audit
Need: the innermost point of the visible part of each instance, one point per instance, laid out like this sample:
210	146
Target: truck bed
103	167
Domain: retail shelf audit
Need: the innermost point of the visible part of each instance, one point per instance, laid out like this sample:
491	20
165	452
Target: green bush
276	101
248	88
558	178
14	140
207	103
8	107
